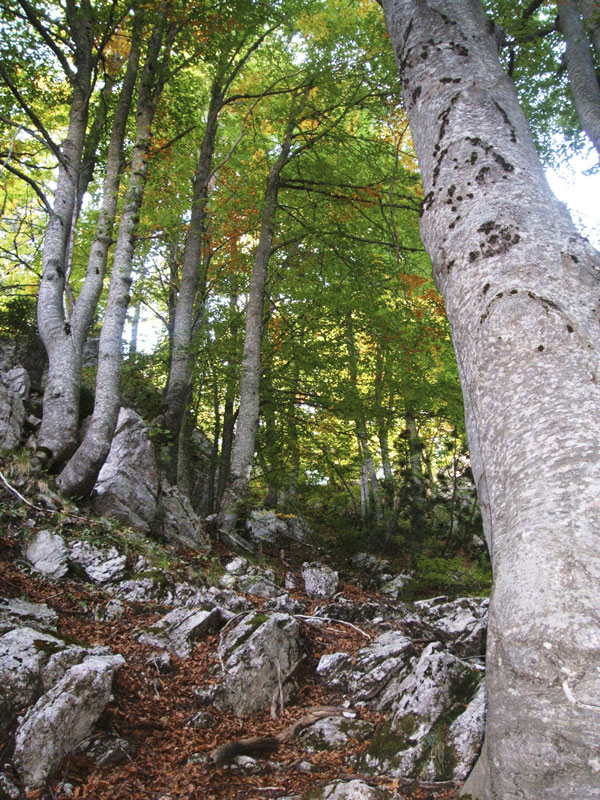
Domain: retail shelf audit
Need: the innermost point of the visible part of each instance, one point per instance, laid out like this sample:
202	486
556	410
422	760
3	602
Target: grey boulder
319	580
63	717
127	485
100	565
258	649
179	629
48	555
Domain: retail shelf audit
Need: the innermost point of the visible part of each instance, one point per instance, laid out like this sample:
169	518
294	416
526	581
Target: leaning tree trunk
245	435
80	473
580	68
522	291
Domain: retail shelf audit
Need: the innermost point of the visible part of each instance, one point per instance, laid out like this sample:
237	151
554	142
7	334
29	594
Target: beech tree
521	289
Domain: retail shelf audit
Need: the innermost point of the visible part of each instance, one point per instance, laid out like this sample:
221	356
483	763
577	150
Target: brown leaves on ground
151	710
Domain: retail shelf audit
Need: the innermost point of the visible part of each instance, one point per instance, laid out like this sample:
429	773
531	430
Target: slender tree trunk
66	353
191	282
60	421
580	67
80	473
359	419
364	487
245	435
521	289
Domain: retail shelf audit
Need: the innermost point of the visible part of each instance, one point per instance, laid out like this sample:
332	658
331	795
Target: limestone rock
177	521
47	554
127	486
248	578
251	652
334	733
462	745
435	692
393	588
179	629
32	661
12	412
319	580
351	790
104	749
63	717
101	565
15	613
460	624
267	527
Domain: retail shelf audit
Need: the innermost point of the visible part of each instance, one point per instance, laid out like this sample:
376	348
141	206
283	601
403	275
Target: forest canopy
173	174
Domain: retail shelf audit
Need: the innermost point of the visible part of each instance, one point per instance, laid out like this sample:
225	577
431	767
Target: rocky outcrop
367	677
351	790
425	703
176	520
100	565
461	624
47	553
334	733
63	717
276	530
257	654
245	577
127	486
319	580
179	629
14	390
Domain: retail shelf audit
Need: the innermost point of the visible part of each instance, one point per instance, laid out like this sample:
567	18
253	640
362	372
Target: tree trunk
359	420
80	473
180	370
591	17
580	68
247	423
521	289
60	422
65	354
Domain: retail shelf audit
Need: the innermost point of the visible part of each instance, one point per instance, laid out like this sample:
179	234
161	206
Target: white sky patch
581	193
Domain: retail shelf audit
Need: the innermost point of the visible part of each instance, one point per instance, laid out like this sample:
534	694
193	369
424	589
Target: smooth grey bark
80	473
580	68
191	282
58	432
590	10
522	292
248	412
359	421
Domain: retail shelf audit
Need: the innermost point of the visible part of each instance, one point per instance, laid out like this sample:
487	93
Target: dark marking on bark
473	256
487	286
450	80
513	133
514	291
415	95
451	190
480	177
540	348
570	328
575	259
67	328
470	195
459	49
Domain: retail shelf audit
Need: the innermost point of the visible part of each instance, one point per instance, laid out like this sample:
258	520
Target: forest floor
151	710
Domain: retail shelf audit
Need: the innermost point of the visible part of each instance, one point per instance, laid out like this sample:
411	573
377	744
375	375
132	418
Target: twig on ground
336	621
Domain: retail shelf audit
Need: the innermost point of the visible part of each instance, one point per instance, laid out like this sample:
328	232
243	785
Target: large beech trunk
522	291
80	473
